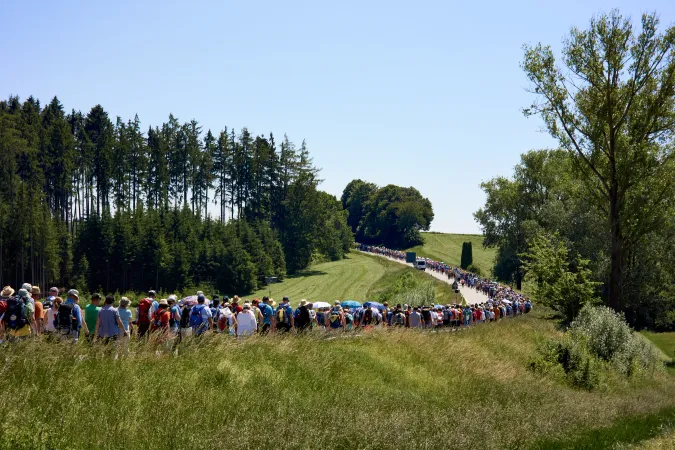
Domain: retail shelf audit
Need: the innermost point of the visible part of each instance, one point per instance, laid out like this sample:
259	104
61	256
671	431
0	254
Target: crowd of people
26	313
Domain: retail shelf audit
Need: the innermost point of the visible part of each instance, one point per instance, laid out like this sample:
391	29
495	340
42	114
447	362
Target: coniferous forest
101	203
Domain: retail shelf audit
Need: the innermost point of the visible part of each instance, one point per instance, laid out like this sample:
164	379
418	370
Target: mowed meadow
448	248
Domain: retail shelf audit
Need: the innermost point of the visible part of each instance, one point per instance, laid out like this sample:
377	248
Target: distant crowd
26	312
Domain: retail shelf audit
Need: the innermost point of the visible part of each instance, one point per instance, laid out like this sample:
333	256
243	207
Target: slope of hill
358	277
448	248
377	389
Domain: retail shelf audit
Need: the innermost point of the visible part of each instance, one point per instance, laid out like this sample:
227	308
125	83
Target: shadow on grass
630	430
306	273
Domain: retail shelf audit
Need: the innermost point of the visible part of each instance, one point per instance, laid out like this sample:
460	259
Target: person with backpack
143	314
267	316
161	318
303	321
200	317
228	321
175	316
215	313
335	319
284	316
49	301
349	319
69	318
185	329
398	317
50	316
19	317
367	317
426	317
109	326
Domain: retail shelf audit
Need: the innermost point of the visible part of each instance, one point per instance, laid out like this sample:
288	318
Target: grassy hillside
383	389
359	277
448	248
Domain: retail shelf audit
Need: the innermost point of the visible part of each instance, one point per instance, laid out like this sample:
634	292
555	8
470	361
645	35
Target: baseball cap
74	293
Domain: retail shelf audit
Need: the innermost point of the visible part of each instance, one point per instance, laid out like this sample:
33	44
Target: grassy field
448	248
383	389
360	277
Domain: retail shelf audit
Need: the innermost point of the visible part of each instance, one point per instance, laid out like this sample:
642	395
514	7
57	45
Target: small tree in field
560	284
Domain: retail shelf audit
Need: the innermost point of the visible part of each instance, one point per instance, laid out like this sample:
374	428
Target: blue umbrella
379	306
350	304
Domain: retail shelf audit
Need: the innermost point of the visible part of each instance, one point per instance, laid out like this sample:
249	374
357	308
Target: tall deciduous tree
612	106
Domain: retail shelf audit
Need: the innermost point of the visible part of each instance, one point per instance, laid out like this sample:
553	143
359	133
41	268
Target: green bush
611	339
474	269
571	359
598	342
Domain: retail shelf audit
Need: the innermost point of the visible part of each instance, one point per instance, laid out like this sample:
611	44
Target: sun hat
7	291
53	289
35	290
336	302
22	293
303	302
172	297
27	286
247	305
74	293
163	302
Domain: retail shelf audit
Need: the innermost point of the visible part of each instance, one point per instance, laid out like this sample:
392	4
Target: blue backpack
196	316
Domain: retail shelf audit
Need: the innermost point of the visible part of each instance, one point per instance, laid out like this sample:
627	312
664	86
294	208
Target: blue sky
424	93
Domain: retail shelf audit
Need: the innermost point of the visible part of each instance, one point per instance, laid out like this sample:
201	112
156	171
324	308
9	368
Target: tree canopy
392	215
611	105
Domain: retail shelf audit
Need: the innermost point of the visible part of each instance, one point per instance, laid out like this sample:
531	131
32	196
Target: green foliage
611	106
114	209
609	337
467	255
475	269
598	344
561	284
393	216
571	355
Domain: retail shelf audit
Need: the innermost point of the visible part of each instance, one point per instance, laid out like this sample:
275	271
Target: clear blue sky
424	93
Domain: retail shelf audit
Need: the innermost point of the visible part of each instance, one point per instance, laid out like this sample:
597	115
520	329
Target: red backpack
144	310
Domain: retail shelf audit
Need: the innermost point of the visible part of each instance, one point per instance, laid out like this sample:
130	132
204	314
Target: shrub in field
572	359
598	341
611	339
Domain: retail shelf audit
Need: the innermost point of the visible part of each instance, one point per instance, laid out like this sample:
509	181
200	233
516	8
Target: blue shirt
175	310
267	312
107	326
125	317
77	312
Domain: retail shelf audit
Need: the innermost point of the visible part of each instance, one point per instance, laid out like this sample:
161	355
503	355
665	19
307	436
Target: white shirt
246	323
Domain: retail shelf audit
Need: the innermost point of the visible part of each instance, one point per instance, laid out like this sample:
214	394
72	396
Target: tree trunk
615	285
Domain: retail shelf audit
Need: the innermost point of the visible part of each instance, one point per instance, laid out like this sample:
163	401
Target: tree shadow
306	273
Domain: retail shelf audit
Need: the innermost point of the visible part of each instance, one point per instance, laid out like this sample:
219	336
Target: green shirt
90	316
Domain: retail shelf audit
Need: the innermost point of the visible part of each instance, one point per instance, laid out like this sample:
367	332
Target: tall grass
388	388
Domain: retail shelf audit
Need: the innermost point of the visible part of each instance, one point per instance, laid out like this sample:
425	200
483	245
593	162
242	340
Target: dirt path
471	296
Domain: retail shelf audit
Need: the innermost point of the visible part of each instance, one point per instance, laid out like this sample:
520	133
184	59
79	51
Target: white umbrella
320	305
